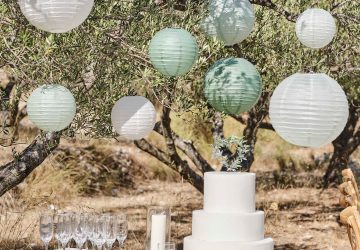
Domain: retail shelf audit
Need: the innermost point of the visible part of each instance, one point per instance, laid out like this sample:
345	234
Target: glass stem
46	246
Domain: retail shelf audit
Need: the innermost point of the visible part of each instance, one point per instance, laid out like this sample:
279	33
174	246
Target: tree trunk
344	146
253	121
13	173
170	156
339	161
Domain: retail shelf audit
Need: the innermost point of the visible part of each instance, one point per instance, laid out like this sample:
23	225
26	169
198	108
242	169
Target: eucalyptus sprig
232	162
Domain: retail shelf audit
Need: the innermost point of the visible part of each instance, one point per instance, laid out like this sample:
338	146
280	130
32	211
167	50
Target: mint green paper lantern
51	107
233	85
173	52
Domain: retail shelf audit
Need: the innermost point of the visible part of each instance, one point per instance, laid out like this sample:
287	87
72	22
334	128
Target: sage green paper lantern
173	52
51	107
230	21
233	85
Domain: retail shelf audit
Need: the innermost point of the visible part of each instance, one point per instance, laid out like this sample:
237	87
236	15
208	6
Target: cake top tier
229	192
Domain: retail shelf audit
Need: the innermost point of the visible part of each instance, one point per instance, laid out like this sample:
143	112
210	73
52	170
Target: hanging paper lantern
230	21
233	85
173	52
315	28
56	16
309	110
133	117
51	107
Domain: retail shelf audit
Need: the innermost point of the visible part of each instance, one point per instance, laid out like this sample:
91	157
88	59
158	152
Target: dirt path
302	218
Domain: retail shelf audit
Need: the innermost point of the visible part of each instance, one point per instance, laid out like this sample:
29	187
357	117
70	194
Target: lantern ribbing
233	85
51	107
315	28
230	21
309	110
133	117
56	16
173	52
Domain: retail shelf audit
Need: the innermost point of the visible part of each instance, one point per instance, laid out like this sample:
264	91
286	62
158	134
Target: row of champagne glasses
102	230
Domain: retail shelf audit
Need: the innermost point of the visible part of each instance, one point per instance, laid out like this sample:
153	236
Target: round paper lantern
56	16
233	85
173	52
309	110
133	117
315	28
51	107
230	21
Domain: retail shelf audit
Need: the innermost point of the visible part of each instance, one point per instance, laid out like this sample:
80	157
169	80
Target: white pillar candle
158	230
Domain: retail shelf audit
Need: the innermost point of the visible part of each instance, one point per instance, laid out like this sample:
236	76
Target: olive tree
106	58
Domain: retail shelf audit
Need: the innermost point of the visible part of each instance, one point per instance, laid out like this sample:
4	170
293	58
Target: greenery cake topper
239	147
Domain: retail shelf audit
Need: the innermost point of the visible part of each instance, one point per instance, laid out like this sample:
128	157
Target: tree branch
152	150
189	149
218	133
181	166
243	119
344	145
355	141
266	125
218	126
13	173
269	4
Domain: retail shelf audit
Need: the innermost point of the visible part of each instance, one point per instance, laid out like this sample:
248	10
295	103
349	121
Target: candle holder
158	227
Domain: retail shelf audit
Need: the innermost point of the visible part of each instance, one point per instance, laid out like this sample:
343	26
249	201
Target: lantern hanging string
172	13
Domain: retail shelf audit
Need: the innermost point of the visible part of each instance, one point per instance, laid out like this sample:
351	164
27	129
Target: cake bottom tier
194	244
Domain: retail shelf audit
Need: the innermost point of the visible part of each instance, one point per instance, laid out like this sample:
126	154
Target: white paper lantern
133	117
51	107
309	110
315	28
56	16
230	21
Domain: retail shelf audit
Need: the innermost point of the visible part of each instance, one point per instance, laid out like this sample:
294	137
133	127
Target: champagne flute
46	229
122	229
80	224
110	231
91	222
57	229
64	229
99	231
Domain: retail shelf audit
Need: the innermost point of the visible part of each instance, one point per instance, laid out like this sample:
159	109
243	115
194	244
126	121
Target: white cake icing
229	220
233	226
229	192
190	243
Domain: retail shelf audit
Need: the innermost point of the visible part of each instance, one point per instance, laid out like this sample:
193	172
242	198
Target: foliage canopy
106	58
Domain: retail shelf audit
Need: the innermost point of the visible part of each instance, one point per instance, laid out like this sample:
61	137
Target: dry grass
297	218
83	175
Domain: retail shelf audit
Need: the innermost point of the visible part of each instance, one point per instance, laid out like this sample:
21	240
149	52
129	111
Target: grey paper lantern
56	16
51	107
230	21
133	117
173	52
309	110
233	85
315	28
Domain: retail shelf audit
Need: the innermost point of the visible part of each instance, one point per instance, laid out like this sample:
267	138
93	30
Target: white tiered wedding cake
229	220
